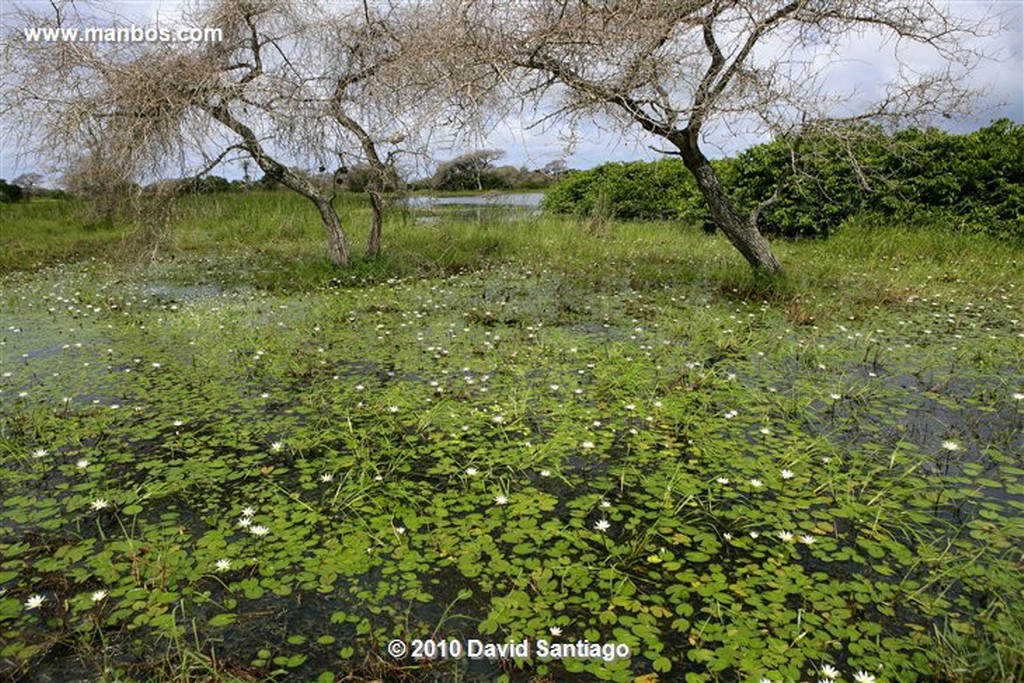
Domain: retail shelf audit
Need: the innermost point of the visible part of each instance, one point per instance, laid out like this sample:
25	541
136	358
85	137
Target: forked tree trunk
378	175
337	246
738	228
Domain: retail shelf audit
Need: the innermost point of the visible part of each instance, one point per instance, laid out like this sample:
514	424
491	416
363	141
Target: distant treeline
809	186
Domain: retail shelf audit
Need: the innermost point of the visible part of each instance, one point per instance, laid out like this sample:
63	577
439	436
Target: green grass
497	429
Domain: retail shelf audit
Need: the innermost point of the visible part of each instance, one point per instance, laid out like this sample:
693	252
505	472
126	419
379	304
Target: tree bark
738	228
336	244
377	202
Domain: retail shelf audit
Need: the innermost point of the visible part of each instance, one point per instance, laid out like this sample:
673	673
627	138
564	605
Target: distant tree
470	171
29	183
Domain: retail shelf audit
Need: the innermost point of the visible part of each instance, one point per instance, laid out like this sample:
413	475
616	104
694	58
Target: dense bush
636	190
9	193
808	187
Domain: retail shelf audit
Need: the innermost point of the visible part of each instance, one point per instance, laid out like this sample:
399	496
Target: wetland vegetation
225	460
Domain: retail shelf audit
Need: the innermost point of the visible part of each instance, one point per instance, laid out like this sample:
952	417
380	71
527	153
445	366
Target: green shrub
808	187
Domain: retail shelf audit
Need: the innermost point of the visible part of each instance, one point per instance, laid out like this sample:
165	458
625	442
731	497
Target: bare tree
677	67
288	80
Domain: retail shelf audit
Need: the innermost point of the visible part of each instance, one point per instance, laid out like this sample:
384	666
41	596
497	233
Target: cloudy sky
864	62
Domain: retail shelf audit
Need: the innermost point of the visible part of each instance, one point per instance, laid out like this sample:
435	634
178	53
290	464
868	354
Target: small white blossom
34	601
393	409
99	595
951	445
223	565
602	525
756	483
727	536
501	500
545	473
829	671
1017	396
587	445
723	481
785	536
863	677
327	477
40	453
555	631
99	504
808	539
81	463
787	474
754	534
276	447
498	419
259	530
248	511
835	397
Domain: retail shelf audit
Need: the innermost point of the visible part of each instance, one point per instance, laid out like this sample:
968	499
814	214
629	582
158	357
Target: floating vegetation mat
513	474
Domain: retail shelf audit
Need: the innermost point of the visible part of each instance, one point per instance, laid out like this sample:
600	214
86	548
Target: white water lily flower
40	453
555	631
545	473
754	534
248	511
787	474
587	445
99	504
863	677
276	447
327	477
259	530
501	500
223	565
808	539
785	536
81	463
756	483
99	595
34	601
951	445
829	671
722	480
602	525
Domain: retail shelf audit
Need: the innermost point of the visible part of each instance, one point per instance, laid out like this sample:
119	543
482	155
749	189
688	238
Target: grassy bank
228	461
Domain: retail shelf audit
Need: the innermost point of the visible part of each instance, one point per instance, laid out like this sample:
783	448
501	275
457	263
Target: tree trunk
336	244
378	175
740	229
377	202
